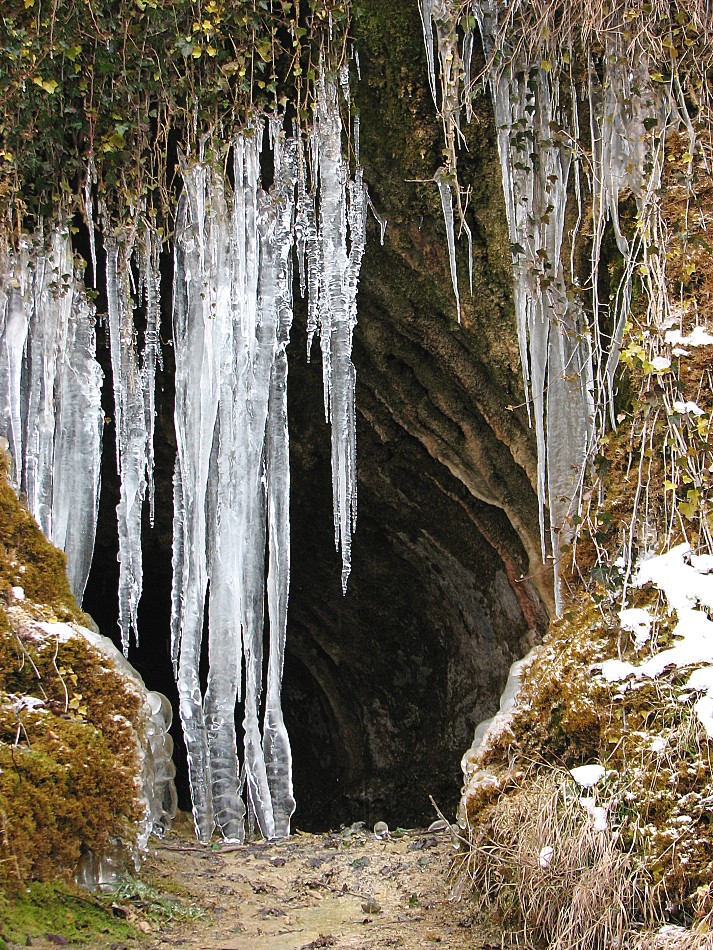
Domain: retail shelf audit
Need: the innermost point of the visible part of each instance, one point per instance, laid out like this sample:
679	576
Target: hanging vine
100	94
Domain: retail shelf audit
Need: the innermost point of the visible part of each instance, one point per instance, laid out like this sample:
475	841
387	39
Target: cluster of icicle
232	315
568	362
129	252
50	391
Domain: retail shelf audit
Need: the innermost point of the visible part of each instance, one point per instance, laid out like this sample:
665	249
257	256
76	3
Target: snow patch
699	336
638	621
587	776
685	581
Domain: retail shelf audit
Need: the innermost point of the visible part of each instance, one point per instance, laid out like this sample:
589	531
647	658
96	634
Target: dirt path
346	890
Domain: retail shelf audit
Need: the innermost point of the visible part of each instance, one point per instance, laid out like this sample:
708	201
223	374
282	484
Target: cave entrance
383	687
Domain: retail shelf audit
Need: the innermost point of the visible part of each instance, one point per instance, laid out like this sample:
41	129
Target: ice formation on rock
50	388
155	781
568	360
475	775
134	412
232	317
555	348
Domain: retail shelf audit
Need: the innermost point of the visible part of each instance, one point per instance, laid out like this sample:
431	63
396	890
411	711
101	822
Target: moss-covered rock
69	755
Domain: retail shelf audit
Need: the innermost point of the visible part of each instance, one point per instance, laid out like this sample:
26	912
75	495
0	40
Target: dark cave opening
383	687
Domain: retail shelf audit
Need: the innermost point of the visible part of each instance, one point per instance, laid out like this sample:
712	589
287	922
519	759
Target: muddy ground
346	889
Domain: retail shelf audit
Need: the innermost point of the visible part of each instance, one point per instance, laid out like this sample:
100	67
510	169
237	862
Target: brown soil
346	889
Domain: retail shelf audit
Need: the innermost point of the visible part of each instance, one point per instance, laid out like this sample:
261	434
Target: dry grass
661	33
674	938
539	864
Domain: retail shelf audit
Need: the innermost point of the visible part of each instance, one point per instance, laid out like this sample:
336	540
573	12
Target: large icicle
278	757
232	319
201	298
50	386
341	239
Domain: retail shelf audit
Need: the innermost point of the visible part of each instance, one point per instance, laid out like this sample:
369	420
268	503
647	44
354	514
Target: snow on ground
687	585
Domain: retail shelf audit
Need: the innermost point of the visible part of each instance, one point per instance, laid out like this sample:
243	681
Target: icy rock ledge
156	789
486	732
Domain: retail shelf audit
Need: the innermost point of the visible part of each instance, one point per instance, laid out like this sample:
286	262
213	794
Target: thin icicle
342	216
150	288
130	430
90	181
444	189
425	7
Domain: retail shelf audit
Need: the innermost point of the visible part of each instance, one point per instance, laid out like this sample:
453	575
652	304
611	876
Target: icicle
445	18
234	243
427	21
177	564
278	757
51	291
382	222
256	352
150	289
467	80
200	302
89	181
77	445
447	204
15	315
130	429
342	209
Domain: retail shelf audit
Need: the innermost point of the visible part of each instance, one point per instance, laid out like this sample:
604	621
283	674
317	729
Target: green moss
67	761
28	560
62	791
63	910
